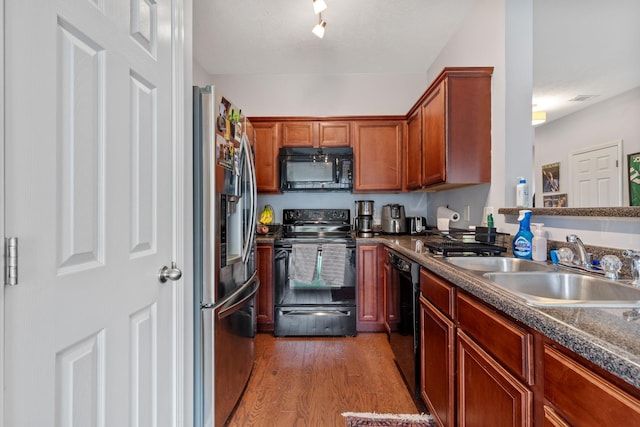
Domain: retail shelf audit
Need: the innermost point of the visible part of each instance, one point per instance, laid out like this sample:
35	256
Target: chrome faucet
635	265
582	252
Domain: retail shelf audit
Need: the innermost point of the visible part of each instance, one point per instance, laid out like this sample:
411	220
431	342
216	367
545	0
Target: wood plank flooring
311	381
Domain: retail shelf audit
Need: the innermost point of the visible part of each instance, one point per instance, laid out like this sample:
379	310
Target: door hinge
11	261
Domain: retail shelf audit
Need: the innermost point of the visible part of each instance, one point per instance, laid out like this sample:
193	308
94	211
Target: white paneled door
91	335
596	176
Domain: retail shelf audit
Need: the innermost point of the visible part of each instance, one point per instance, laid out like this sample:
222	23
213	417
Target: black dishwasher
405	336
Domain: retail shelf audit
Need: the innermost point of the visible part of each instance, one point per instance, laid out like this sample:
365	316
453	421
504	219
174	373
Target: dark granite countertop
602	336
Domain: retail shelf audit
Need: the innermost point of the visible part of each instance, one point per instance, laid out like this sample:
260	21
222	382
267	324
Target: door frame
182	402
2	232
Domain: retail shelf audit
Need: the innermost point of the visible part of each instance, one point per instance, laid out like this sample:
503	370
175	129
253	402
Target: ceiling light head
318	30
319	6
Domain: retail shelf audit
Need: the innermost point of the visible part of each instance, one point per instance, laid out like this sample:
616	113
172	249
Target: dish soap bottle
522	194
539	243
522	241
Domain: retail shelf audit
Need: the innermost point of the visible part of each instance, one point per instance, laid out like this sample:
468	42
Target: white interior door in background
90	333
596	176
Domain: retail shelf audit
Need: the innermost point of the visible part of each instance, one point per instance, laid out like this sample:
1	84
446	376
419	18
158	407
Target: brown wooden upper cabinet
413	163
310	133
377	151
266	153
453	138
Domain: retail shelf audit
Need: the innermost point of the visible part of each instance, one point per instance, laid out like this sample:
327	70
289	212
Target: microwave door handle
337	174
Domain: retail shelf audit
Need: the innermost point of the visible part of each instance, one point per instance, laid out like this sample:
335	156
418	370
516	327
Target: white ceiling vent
582	98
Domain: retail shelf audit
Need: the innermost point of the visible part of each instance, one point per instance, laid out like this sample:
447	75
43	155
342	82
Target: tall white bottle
538	243
522	194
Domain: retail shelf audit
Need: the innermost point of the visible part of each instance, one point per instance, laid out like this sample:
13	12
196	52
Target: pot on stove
393	219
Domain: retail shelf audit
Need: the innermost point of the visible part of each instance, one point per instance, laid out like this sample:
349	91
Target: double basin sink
545	285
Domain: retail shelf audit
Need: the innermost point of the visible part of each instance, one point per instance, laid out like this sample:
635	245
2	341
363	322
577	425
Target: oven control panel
315	215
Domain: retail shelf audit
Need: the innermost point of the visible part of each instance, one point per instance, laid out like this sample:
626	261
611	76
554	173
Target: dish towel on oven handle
333	263
303	265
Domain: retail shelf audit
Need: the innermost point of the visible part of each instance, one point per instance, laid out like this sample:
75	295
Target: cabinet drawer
507	342
583	397
437	290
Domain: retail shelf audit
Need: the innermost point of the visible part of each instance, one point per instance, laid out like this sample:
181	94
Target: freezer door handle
243	295
253	283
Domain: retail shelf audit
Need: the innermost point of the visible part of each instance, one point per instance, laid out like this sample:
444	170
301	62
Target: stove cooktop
316	225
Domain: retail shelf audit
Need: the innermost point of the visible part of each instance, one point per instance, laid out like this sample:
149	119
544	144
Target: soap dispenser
523	239
539	243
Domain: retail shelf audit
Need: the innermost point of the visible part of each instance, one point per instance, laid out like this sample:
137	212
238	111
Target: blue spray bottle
523	239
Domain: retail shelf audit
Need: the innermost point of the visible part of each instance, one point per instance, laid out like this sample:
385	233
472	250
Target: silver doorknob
166	273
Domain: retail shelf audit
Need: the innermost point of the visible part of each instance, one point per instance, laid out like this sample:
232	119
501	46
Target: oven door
314	307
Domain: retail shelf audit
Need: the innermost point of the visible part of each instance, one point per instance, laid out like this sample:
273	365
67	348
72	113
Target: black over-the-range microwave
316	169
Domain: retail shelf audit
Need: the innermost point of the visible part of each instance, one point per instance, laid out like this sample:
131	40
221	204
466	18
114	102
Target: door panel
89	150
595	175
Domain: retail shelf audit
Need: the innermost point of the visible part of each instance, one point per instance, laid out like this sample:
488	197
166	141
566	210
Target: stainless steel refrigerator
225	274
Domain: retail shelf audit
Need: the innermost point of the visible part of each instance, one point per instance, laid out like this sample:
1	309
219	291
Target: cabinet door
369	302
413	156
264	254
378	156
488	394
391	293
334	134
437	363
266	151
297	134
433	137
582	397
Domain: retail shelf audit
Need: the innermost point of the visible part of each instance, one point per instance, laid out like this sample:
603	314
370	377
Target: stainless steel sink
555	289
487	264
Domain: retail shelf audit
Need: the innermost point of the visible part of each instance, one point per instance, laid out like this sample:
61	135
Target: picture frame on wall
633	164
551	178
555	201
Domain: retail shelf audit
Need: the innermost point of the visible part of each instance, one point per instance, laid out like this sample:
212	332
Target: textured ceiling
362	36
581	47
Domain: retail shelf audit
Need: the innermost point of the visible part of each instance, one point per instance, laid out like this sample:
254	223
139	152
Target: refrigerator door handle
246	149
232	305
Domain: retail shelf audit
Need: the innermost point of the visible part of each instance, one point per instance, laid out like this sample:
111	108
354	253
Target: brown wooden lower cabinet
437	363
488	395
580	397
475	363
477	369
370	299
264	301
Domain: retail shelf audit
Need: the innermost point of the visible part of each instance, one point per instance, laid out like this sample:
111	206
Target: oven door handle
341	313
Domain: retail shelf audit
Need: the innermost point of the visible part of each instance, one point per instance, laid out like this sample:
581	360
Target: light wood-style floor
311	381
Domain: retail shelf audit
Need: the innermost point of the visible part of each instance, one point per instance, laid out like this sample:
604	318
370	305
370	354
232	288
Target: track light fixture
319	6
318	30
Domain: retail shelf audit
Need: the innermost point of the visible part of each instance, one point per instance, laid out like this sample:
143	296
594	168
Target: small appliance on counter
363	220
416	224
394	220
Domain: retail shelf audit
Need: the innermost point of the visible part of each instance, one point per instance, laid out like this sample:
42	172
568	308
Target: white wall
323	95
